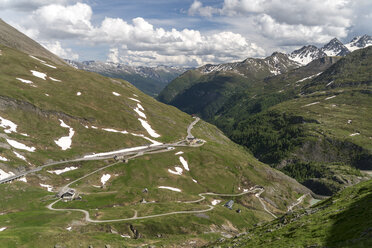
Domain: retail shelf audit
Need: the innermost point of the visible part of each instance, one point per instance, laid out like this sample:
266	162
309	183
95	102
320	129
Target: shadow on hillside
353	227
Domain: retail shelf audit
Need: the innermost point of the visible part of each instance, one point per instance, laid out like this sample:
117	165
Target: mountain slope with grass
11	37
125	160
343	220
315	129
206	89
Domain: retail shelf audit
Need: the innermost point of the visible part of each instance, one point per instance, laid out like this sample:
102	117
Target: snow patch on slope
170	188
105	178
49	188
178	171
25	81
65	142
184	163
20	146
9	126
4	175
19	156
58	172
39	74
148	128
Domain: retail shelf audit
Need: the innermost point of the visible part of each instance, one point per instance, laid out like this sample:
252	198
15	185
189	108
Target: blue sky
187	32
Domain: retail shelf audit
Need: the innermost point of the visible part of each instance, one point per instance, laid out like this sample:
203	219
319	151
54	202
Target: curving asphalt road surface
135	217
140	151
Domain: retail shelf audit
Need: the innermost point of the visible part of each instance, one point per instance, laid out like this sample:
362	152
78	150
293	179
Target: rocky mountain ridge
308	53
150	80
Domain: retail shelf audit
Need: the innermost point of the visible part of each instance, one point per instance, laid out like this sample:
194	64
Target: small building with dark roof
229	204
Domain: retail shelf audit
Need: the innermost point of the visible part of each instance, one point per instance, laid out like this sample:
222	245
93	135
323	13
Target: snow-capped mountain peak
359	42
335	48
306	54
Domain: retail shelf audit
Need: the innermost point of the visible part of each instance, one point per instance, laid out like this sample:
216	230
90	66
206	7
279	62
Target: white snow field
169	188
20	146
154	142
105	178
39	74
148	128
178	171
43	62
19	156
133	99
58	172
184	163
111	130
49	188
115	93
65	142
55	80
25	81
4	174
9	126
4	159
139	112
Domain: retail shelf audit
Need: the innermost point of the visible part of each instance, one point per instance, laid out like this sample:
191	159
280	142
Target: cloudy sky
184	32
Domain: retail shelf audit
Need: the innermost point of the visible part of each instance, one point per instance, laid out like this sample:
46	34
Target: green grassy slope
320	124
206	89
218	166
11	37
343	220
37	114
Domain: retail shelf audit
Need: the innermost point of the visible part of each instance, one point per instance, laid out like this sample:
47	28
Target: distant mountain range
151	80
295	112
191	93
306	54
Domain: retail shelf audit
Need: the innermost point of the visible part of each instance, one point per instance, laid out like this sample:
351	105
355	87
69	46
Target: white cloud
137	42
300	34
140	43
56	48
288	22
238	26
113	56
26	5
197	8
61	21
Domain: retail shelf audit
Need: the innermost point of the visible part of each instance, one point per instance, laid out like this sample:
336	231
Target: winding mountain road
136	153
140	150
135	217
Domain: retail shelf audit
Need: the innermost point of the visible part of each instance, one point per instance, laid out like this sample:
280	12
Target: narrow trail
258	195
135	217
299	201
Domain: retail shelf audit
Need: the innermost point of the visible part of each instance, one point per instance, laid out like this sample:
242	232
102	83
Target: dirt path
299	201
258	195
135	217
